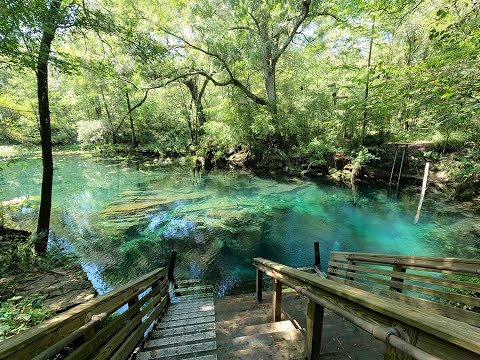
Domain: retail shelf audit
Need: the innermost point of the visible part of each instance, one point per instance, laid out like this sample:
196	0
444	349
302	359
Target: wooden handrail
40	337
435	334
465	266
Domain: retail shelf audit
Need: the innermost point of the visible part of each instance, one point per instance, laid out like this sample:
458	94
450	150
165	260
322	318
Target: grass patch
19	313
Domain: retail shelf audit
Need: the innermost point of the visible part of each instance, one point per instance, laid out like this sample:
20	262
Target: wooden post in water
171	266
259	287
393	166
401	168
277	300
316	246
313	330
424	188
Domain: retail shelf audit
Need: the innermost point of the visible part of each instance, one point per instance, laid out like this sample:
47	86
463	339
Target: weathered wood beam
277	300
313	331
259	286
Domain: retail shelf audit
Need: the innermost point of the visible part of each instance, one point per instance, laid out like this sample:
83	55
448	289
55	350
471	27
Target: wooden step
266	328
188	282
173	324
279	346
180	339
181	330
205	348
198	289
190	307
193	297
190	315
258	340
183	307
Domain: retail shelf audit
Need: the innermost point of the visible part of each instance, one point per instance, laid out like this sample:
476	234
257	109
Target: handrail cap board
30	336
456	332
413	258
466	266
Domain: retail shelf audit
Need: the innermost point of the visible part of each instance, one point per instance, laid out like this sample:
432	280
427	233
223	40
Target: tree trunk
270	87
132	127
109	118
43	225
367	85
199	115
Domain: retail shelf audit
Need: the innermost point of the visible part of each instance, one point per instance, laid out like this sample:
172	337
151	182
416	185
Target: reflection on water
124	219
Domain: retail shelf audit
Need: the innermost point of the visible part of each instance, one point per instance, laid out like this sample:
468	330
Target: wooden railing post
397	268
277	300
350	262
259	286
313	330
171	266
316	246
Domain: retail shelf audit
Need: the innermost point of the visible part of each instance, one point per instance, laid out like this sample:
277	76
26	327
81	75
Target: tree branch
299	20
232	80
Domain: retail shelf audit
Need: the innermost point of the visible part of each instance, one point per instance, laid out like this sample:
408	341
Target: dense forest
283	84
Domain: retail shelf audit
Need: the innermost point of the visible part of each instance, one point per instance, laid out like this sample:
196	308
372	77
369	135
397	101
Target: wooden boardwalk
187	329
238	327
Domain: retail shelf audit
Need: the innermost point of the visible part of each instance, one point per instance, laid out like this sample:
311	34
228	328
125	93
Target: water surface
123	218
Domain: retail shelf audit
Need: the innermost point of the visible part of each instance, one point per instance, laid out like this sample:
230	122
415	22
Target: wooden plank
190	310
198	320
184	329
469	317
180	339
443	328
177	351
362	256
128	327
463	299
397	269
129	345
176	317
460	266
277	301
313	331
457	284
259	285
446	351
351	263
36	339
86	350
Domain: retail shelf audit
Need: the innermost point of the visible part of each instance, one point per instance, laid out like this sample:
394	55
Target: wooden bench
445	286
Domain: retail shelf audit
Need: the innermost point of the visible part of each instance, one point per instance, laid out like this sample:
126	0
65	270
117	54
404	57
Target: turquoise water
123	218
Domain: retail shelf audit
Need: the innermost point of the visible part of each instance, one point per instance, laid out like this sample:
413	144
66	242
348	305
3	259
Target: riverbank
33	288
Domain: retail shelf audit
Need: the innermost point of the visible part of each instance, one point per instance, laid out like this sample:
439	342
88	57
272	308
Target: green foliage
19	257
423	82
91	132
18	314
362	157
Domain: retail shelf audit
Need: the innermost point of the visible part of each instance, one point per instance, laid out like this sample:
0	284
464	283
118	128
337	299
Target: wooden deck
238	327
245	331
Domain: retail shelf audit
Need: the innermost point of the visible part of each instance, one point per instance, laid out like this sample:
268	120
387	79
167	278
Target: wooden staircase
187	329
365	309
245	331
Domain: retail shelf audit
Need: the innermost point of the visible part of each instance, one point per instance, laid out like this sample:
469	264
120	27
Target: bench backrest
445	286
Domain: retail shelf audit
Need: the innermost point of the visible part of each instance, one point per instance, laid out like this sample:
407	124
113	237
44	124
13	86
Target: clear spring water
123	218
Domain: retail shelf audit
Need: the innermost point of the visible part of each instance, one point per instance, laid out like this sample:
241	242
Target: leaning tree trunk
48	35
367	86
